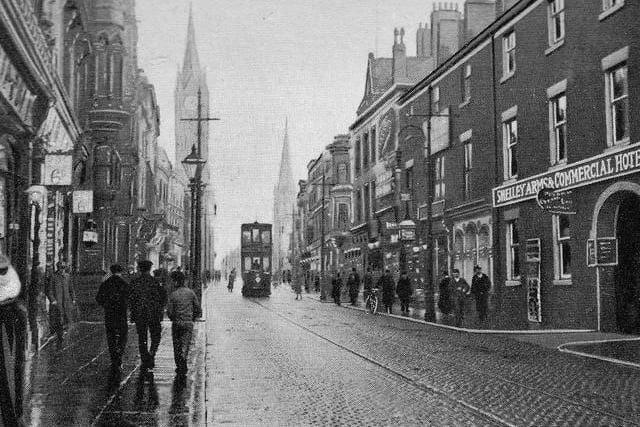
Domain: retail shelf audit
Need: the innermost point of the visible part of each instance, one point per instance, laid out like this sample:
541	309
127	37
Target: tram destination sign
599	168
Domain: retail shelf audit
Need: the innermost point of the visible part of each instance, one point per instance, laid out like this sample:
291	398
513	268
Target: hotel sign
595	169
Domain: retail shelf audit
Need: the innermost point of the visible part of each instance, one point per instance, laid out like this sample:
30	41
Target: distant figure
112	296
182	309
232	278
316	284
353	284
444	299
297	288
461	290
62	298
480	286
147	300
388	290
404	292
367	282
336	287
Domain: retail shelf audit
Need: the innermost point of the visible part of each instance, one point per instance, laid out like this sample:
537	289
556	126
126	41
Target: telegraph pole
197	195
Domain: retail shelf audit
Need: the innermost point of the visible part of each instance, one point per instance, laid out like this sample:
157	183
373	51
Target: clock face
190	102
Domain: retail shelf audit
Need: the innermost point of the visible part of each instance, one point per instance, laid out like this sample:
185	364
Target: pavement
611	347
72	386
278	361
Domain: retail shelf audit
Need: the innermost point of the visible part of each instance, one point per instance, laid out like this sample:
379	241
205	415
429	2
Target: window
513	252
468	163
556	21
342	173
357	157
266	236
365	151
246	236
466	83
439	177
617	90
558	106
508	54
266	263
247	263
562	253
255	235
373	143
608	4
373	196
510	141
358	206
343	216
435	99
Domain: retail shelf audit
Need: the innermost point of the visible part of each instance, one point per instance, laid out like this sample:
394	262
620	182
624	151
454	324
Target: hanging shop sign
407	234
556	202
534	300
440	131
602	252
595	169
57	169
82	201
385	183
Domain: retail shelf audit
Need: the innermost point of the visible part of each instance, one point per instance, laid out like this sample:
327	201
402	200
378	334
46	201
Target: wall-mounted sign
405	197
82	201
407	234
57	169
602	252
391	225
440	135
384	183
533	250
557	202
594	169
90	236
592	261
607	251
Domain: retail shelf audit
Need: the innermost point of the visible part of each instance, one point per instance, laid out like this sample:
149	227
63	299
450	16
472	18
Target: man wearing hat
461	290
112	296
62	298
480	286
147	299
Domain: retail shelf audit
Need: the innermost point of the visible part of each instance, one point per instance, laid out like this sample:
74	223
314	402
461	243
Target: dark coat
460	289
480	285
404	289
368	281
336	285
353	283
61	291
183	305
112	296
388	287
444	300
147	299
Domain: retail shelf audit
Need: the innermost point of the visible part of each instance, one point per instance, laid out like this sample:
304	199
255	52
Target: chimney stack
399	56
478	15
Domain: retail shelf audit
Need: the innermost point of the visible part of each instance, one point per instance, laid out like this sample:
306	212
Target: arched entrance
617	214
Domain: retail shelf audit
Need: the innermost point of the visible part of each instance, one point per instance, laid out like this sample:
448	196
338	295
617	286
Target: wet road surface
278	361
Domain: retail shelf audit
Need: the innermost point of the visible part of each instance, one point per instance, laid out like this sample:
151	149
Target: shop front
571	245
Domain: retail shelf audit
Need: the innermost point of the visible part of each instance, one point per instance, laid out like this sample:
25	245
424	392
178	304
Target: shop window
562	253
458	249
513	251
617	96
556	22
508	54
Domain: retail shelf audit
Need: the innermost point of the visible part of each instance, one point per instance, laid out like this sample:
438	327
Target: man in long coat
404	291
147	299
112	296
336	288
353	284
480	286
62	298
461	290
388	290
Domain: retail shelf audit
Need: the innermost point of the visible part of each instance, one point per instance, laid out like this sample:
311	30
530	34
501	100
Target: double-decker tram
255	251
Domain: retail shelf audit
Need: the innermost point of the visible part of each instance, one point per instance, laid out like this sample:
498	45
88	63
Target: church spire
191	61
285	178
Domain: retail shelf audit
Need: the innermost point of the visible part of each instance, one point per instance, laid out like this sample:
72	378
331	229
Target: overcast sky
269	60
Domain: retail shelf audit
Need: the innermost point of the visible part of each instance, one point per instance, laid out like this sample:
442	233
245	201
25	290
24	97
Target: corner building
546	97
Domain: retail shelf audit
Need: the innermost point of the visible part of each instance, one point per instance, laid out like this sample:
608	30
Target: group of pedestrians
454	292
145	298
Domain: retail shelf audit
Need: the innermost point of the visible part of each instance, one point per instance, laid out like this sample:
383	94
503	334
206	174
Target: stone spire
284	199
286	176
191	61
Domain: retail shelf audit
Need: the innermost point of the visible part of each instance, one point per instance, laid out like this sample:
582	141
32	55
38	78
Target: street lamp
193	164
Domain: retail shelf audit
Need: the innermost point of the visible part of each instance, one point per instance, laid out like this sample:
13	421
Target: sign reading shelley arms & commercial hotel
599	168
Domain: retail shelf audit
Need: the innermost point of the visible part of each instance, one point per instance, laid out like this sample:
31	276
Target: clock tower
191	79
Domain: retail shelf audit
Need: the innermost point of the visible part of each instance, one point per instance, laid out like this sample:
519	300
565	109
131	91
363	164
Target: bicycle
371	302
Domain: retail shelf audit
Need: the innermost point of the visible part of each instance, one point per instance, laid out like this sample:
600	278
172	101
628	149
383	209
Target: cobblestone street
278	361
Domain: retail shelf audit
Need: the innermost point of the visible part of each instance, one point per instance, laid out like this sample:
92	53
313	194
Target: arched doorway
617	214
627	272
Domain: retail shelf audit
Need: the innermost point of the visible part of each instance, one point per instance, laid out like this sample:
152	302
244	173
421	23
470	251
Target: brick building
539	99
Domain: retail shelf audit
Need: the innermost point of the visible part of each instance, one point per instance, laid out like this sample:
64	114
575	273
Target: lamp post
193	164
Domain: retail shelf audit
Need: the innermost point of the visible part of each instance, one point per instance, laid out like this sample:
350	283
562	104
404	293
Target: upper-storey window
435	99
508	54
466	83
510	141
439	182
556	21
618	103
468	166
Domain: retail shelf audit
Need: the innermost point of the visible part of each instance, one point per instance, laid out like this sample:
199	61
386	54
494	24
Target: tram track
493	418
